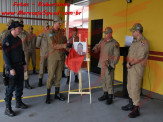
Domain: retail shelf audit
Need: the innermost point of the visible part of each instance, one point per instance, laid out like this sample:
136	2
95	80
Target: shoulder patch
143	43
50	34
7	44
117	45
39	37
2	33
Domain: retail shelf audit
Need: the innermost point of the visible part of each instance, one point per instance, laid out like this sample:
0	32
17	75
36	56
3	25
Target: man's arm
6	53
38	41
143	51
116	55
56	46
97	47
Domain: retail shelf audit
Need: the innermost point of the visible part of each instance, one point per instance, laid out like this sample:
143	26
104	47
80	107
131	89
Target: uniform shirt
56	43
76	39
139	50
12	51
109	53
4	34
30	45
24	36
42	43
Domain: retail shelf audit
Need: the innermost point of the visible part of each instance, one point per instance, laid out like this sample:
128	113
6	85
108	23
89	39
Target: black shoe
34	70
63	74
135	112
129	106
27	85
76	79
68	79
110	99
20	104
40	82
8	111
48	101
103	97
58	95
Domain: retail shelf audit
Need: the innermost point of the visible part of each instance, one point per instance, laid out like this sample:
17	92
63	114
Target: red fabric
74	60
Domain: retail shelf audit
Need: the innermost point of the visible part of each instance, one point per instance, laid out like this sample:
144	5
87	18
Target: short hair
80	44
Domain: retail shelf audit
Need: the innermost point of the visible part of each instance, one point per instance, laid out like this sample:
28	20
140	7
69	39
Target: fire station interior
95	16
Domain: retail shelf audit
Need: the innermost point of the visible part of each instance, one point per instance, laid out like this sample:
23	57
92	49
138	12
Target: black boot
8	111
48	97
27	85
129	106
68	79
76	79
46	70
58	95
20	104
34	70
3	71
103	97
135	112
63	74
40	82
110	99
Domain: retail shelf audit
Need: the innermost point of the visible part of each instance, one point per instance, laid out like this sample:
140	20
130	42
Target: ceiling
84	2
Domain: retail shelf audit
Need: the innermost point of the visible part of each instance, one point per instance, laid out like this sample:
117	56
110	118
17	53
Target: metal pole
67	23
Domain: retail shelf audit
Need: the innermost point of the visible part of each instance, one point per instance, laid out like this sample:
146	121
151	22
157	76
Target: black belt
18	64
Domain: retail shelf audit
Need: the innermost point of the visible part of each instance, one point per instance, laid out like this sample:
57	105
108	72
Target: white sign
128	40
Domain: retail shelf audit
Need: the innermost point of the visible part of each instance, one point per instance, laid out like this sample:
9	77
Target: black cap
15	24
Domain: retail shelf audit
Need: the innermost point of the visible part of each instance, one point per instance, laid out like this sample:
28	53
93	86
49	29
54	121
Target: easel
80	79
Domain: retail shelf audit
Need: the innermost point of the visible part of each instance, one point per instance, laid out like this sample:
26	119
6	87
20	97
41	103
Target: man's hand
69	45
92	51
12	72
25	68
128	66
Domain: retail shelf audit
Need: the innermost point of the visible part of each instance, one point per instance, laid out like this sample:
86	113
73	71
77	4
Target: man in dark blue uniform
15	66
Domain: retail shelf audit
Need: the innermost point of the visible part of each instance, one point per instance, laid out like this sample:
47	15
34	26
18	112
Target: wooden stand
80	79
80	84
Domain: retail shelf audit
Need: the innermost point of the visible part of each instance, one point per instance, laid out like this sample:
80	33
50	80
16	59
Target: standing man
70	41
4	34
30	50
137	58
15	67
42	43
109	57
24	37
57	44
30	53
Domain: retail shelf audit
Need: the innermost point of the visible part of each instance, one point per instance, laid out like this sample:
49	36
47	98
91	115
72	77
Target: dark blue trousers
16	83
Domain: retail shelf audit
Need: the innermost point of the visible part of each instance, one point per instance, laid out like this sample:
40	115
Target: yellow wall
149	14
37	31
